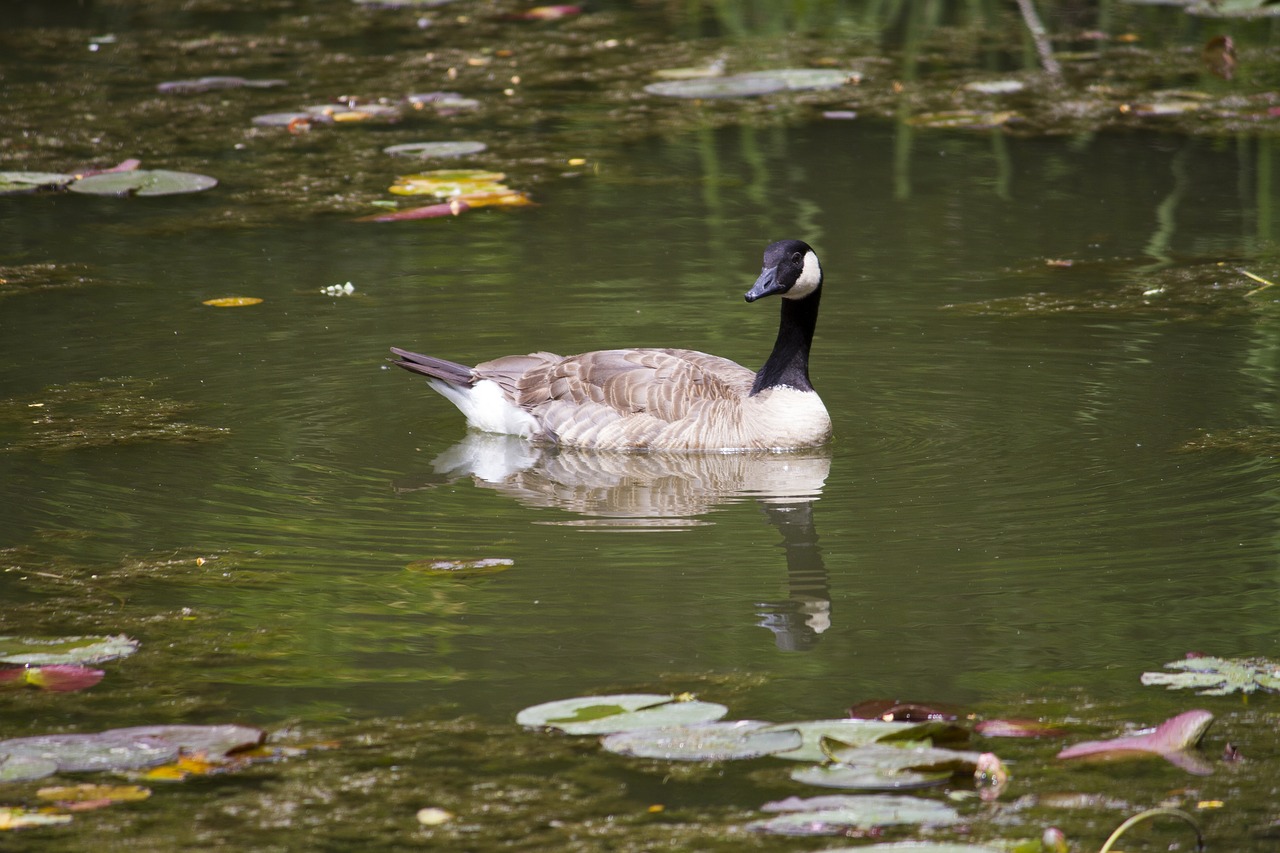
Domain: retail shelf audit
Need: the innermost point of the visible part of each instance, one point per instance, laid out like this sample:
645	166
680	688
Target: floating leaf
29	182
832	815
1018	728
623	712
449	183
704	741
208	84
427	150
544	13
290	120
143	182
461	568
931	847
497	198
995	87
18	818
850	732
963	119
133	748
753	83
858	778
441	101
59	650
1170	740
58	678
1219	676
232	301
64	794
736	86
456	207
903	712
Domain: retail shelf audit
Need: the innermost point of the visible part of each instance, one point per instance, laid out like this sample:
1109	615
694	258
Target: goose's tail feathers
449	372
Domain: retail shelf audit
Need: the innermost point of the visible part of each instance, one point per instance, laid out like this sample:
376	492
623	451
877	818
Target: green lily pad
449	183
805	79
833	815
1218	676
28	182
858	778
65	650
427	150
622	712
894	758
143	182
845	731
286	119
705	741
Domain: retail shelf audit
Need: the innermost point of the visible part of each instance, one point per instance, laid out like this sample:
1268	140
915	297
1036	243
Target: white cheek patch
810	278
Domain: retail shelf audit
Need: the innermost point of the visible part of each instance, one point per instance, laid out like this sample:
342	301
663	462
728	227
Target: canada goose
656	399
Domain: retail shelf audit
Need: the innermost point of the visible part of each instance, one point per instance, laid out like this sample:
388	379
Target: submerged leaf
704	741
461	568
65	650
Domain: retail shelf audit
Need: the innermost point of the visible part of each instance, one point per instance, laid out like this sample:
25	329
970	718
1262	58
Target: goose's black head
790	269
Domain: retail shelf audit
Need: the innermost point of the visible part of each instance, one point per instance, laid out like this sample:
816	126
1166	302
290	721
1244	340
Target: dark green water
1009	512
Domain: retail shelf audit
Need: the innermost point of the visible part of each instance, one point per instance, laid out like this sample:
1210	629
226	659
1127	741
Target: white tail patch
487	408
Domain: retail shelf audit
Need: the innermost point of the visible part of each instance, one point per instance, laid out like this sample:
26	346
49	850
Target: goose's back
671	399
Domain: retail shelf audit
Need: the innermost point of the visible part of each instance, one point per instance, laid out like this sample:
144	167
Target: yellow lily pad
449	183
231	301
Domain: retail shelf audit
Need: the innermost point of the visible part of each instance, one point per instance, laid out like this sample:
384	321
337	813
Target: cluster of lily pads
150	752
897	749
121	180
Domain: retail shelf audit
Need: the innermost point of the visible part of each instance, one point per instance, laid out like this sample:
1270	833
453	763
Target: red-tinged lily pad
1171	740
58	678
891	710
18	818
65	650
209	84
430	211
1018	728
143	182
428	150
12	183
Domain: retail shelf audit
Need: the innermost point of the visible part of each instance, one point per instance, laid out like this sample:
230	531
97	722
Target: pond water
1046	477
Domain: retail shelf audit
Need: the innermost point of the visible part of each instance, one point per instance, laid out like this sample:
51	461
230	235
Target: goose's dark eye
795	257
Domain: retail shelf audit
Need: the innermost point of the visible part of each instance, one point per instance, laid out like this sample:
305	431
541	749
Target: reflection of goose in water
665	490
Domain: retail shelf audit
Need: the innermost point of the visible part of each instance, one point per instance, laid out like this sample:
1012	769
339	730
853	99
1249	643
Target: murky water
1014	504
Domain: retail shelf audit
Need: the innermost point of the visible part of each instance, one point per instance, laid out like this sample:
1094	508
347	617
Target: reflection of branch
1167	210
1032	20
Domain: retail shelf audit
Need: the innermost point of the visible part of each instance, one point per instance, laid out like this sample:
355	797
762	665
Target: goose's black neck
788	364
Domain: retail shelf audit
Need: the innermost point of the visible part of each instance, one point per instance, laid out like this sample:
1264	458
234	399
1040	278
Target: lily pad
13	817
143	182
806	79
12	183
995	87
735	86
1172	740
622	712
290	119
1218	676
232	301
850	732
705	741
56	677
922	847
209	84
449	183
117	749
64	794
65	650
427	150
859	778
441	101
833	815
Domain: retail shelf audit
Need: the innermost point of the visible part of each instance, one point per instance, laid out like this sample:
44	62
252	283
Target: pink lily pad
1171	740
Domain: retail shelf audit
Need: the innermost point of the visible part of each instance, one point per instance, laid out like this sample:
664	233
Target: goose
671	400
